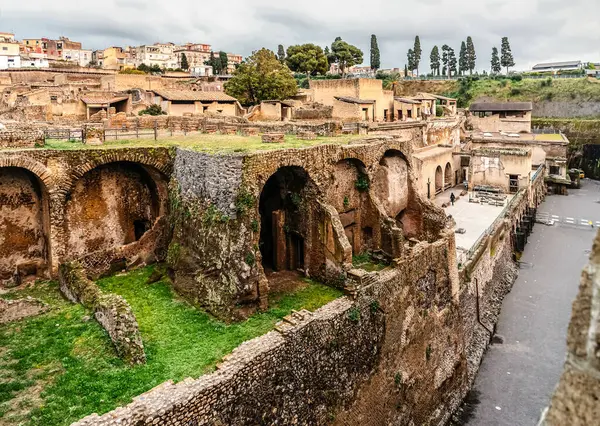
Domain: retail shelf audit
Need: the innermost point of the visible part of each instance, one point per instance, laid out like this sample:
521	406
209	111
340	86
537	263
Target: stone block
306	135
273	138
250	131
229	130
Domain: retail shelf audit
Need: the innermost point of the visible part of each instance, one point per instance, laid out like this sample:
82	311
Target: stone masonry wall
110	310
576	400
393	356
21	139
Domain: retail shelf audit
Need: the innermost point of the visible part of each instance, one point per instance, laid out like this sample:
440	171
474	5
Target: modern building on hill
558	66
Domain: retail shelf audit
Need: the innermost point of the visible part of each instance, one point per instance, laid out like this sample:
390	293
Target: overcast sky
539	30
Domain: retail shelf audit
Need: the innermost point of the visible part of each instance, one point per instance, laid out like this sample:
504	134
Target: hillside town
190	236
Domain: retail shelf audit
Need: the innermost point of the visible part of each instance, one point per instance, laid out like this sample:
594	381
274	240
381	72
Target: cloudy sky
539	30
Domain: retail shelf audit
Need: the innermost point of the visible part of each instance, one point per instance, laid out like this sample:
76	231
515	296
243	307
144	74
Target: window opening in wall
400	116
554	170
513	181
366	114
409	113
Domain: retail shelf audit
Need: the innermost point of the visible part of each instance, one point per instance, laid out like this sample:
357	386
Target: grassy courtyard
61	366
209	143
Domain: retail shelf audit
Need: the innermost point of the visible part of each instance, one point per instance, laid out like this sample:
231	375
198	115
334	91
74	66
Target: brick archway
35	167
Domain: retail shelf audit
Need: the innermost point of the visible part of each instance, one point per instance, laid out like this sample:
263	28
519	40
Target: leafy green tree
215	63
345	55
224	62
417	54
434	61
281	53
184	62
328	55
405	70
462	58
308	59
261	77
471	56
506	58
375	54
496	67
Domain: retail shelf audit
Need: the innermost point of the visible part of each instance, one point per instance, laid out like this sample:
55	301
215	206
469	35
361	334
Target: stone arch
439	180
348	193
35	167
115	156
448	176
112	205
24	220
391	182
286	210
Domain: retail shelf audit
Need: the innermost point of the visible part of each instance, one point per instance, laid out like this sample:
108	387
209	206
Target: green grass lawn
57	367
210	143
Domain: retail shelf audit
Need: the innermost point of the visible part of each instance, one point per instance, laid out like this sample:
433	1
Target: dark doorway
281	238
513	182
140	227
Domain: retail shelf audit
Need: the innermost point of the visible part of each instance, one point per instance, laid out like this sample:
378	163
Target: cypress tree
417	54
184	62
496	67
462	59
506	58
281	53
375	56
434	61
471	56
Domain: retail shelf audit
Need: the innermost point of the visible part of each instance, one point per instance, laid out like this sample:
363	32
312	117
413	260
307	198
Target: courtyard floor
474	218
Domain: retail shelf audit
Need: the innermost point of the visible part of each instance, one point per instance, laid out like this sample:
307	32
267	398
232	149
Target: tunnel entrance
439	180
24	223
140	227
448	176
282	238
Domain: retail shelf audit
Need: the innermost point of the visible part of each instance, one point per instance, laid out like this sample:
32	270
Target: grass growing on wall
61	366
209	143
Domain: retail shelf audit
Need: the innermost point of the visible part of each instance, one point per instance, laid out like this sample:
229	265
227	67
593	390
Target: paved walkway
517	377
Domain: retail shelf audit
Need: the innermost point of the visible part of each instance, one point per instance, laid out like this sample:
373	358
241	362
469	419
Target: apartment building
156	54
9	51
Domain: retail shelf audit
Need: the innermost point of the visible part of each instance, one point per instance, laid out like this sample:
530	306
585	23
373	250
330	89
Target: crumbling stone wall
576	399
394	355
21	139
24	216
111	206
111	311
58	173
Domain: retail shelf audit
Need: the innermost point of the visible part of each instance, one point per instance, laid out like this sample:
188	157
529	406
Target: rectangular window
513	182
4	48
409	113
554	170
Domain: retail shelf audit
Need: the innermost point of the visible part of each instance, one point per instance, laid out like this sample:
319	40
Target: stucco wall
494	168
494	123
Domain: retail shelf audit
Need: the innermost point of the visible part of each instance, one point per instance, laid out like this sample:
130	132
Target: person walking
452	198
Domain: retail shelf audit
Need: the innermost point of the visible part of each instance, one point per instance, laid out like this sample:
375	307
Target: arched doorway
448	176
24	223
283	224
439	180
113	205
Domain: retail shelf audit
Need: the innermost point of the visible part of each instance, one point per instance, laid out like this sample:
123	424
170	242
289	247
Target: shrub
154	110
354	314
346	202
439	111
244	201
250	259
255	225
516	77
515	92
132	71
362	182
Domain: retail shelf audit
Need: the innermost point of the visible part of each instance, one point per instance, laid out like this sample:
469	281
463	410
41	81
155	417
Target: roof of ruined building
275	101
102	99
424	96
190	95
351	100
407	101
500	106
